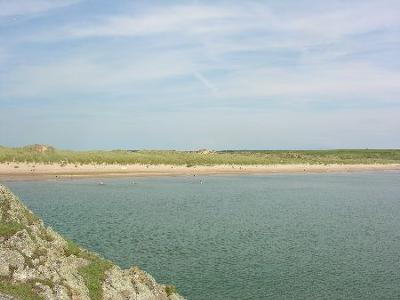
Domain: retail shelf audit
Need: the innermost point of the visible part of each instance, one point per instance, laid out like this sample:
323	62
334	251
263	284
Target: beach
31	171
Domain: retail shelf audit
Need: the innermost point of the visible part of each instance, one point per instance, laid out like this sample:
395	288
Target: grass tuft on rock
10	228
71	248
46	235
94	274
170	289
23	291
38	252
31	218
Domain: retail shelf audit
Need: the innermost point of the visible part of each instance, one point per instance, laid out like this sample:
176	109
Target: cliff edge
38	263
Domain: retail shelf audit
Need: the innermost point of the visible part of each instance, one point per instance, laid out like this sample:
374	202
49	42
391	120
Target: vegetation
170	289
31	218
35	154
94	274
10	228
38	252
71	248
46	235
20	290
5	207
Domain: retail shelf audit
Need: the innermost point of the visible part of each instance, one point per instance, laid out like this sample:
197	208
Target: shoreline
25	171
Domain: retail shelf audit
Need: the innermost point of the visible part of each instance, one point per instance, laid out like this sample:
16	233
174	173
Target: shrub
9	229
47	236
170	289
39	252
71	249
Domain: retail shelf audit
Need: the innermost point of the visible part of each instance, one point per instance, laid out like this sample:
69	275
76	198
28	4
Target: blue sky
81	74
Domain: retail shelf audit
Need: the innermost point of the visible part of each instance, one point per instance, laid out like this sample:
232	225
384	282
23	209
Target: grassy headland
50	155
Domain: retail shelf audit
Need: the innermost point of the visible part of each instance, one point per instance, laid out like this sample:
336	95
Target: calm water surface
307	236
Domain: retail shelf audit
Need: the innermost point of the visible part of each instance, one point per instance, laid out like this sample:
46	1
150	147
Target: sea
276	236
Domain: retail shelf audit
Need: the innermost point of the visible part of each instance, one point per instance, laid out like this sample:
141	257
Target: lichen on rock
38	263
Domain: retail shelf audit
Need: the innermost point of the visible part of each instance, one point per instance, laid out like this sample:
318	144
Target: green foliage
31	218
47	282
46	235
38	252
193	158
28	261
10	228
5	207
71	248
23	291
170	289
94	274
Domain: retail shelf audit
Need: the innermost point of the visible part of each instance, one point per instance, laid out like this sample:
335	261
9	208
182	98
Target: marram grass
206	158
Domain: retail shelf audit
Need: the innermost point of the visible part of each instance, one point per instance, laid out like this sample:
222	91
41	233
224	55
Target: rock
41	262
6	297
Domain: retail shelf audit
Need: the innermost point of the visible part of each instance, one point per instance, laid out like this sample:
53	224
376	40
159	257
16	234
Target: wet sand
24	171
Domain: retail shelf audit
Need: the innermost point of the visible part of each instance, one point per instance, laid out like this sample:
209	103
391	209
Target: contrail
205	81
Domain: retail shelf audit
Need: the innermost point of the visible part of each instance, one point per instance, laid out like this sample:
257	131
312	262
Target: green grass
23	291
94	274
192	158
31	218
45	235
5	207
38	252
10	228
71	248
170	289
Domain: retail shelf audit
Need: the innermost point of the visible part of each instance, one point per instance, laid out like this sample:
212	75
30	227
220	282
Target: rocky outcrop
37	263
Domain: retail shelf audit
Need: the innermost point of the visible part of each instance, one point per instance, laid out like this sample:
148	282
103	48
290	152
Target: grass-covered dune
50	155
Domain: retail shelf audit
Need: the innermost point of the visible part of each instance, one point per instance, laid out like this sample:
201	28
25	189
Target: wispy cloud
314	24
17	8
328	81
88	75
346	19
177	18
3	55
260	56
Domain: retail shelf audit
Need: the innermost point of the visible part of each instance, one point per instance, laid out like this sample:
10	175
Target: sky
83	74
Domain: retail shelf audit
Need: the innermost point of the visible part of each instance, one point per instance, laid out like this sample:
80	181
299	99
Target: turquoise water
305	236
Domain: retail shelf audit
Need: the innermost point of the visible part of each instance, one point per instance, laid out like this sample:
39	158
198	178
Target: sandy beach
25	171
